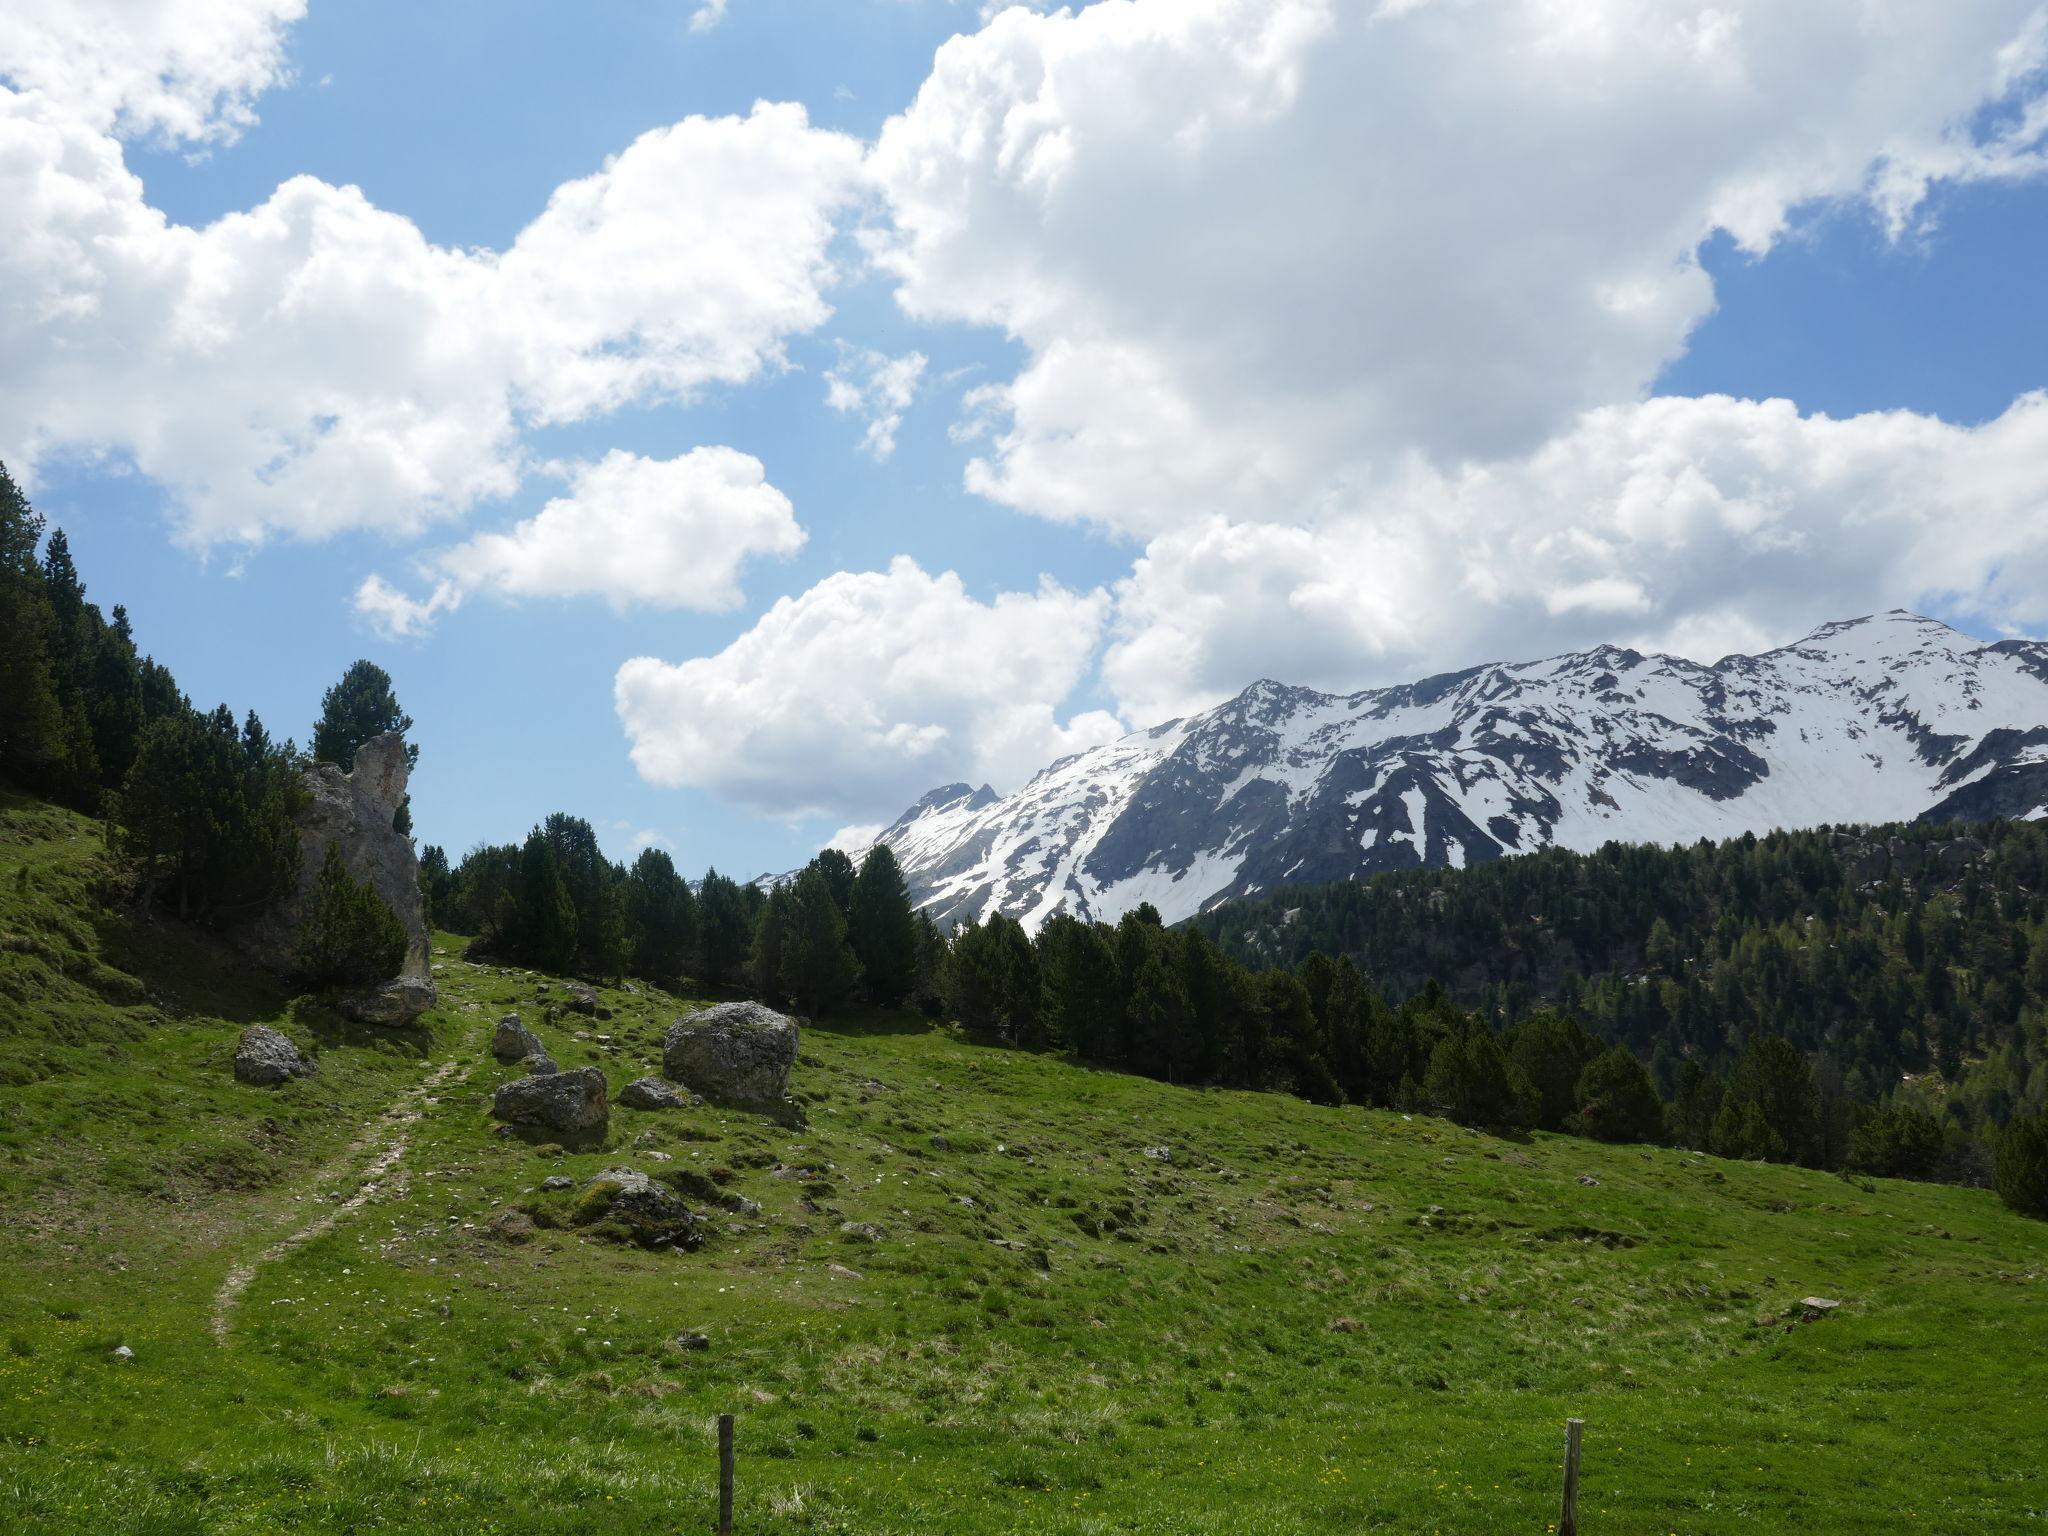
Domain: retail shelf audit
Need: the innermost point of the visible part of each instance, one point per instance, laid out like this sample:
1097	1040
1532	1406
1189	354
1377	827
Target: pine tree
1157	1016
837	869
1772	1086
661	918
1349	1019
436	884
2020	1166
1553	1049
882	928
1471	1080
973	981
764	962
1616	1099
31	721
1078	971
349	936
724	931
207	820
542	926
926	992
1901	1141
1297	1047
818	968
360	706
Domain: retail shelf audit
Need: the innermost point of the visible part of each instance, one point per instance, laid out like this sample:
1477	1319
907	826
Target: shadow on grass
330	1028
871	1023
185	969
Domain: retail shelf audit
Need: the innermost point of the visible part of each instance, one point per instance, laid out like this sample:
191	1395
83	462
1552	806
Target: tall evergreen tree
540	926
1297	1044
1077	969
1553	1049
1470	1079
724	931
437	883
818	968
764	960
349	936
206	817
31	721
661	918
837	868
1616	1099
360	706
974	982
2020	1166
882	928
1772	1108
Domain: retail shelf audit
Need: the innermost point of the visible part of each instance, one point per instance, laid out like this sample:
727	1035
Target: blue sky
1250	393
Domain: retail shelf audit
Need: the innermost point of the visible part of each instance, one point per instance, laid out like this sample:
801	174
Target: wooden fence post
1568	1518
725	1474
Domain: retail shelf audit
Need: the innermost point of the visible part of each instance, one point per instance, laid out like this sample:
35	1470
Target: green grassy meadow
1307	1320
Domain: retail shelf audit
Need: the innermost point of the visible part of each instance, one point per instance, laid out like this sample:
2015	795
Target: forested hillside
1906	961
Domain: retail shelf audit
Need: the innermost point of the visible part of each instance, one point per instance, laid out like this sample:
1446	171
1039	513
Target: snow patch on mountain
1885	718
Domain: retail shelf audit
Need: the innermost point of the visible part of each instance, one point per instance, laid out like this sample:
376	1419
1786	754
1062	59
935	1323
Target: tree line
199	806
820	941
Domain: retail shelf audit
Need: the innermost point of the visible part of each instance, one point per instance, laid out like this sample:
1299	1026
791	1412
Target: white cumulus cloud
314	363
876	387
1256	250
663	533
1701	526
171	70
868	689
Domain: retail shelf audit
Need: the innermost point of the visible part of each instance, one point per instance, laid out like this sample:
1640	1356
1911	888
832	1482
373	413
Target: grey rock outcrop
264	1058
653	1093
540	1063
737	1052
513	1041
569	1103
355	810
652	1212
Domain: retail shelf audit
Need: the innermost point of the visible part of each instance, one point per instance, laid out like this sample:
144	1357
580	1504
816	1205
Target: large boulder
264	1058
355	810
737	1052
513	1041
572	1104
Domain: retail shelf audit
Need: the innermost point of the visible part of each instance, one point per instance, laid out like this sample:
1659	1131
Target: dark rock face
571	1103
264	1058
1888	718
355	810
740	1053
652	1093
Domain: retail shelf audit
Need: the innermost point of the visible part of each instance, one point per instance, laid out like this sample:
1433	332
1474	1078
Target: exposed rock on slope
1889	718
264	1058
355	810
567	1103
738	1052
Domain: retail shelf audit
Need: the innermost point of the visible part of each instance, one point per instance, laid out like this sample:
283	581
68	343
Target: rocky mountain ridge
1893	717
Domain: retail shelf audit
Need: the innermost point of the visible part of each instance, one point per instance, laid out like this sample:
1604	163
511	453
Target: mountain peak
1887	717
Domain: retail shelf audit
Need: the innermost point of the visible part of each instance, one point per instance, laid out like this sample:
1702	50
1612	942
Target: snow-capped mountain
1887	718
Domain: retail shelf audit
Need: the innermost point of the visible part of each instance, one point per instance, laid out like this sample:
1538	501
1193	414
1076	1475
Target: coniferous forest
1747	998
199	807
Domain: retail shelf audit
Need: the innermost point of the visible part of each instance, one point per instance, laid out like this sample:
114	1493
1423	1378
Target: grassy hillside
1298	1319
